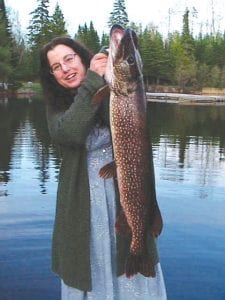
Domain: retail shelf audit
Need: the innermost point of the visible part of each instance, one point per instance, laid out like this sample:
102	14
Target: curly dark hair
56	95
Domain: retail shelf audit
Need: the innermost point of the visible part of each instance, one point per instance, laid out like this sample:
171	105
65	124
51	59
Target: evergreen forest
180	59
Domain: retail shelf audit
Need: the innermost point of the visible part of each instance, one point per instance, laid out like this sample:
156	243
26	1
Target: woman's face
66	66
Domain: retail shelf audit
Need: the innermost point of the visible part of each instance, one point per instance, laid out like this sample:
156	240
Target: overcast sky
165	14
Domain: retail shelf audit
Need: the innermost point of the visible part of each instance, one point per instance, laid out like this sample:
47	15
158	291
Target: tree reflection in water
23	131
189	156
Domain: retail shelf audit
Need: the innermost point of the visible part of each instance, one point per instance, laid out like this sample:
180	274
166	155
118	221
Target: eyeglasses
67	60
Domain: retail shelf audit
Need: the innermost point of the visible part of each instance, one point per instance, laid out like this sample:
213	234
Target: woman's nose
65	67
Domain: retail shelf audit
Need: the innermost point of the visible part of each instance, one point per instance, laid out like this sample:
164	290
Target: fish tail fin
141	263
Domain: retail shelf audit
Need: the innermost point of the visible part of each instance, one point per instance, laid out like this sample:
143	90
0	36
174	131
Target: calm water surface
189	157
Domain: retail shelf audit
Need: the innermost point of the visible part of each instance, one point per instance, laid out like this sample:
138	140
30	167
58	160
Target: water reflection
189	142
189	156
26	151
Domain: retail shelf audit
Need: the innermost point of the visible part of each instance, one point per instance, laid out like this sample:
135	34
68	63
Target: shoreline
185	99
162	97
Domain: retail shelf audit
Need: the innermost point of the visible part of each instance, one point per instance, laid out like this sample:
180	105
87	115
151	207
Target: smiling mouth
71	76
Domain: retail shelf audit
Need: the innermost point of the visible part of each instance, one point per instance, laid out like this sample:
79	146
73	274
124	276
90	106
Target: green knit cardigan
71	235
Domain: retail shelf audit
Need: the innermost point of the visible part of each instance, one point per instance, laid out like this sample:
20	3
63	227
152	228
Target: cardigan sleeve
71	127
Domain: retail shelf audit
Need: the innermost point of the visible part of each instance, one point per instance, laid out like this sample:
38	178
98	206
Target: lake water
189	157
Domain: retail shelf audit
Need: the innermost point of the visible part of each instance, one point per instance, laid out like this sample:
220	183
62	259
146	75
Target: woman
86	253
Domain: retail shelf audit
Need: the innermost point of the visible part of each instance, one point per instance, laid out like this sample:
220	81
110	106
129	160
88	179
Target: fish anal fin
139	264
102	93
121	225
108	171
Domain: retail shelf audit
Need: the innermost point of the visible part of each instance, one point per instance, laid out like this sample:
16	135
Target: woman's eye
56	68
69	59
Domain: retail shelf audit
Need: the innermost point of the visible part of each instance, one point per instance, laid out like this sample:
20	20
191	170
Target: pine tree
186	67
88	36
57	23
119	14
82	34
94	43
187	39
104	40
39	23
42	29
153	55
18	48
37	35
6	45
5	16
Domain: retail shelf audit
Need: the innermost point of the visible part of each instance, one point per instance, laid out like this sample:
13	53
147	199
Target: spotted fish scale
128	124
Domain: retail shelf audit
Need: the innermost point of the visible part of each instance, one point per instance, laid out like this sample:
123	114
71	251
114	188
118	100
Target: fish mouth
116	34
124	60
123	43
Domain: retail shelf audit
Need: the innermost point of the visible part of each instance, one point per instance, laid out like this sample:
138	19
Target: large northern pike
134	169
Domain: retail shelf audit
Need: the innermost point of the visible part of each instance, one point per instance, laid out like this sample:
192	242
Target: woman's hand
98	63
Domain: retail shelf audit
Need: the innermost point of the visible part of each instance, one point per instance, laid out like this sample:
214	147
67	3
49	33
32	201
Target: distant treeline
179	59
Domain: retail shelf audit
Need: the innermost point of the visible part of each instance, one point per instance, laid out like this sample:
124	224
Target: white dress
105	284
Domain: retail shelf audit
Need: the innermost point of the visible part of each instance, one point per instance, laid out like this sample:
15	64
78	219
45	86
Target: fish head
124	66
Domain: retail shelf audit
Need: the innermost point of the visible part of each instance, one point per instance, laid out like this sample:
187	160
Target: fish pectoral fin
108	171
102	93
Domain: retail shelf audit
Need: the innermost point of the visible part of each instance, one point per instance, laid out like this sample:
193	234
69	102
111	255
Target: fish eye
130	60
